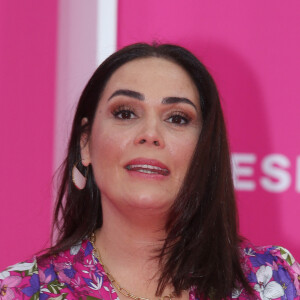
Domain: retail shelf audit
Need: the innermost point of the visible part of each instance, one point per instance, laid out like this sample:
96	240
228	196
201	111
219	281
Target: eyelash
123	109
129	111
183	117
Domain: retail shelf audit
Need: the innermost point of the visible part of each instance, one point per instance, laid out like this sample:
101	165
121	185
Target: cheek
182	150
106	151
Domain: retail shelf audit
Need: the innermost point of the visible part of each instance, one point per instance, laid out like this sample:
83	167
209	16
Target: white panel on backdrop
107	29
81	46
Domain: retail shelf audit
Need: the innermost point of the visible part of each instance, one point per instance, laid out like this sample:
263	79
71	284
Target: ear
84	146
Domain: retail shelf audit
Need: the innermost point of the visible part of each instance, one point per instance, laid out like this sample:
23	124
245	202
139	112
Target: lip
147	161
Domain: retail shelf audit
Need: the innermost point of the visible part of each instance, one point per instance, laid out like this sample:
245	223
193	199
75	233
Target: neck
134	234
128	243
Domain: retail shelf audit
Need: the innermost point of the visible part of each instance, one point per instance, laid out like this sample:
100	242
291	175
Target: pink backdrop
250	47
27	77
252	50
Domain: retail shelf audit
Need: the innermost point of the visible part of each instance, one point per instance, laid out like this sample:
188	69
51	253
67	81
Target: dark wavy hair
201	249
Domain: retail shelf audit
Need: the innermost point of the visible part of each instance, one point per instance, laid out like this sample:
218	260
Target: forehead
155	77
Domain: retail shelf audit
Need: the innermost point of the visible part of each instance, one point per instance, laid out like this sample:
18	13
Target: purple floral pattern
76	274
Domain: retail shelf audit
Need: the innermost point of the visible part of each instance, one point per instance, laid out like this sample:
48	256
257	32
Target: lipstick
147	166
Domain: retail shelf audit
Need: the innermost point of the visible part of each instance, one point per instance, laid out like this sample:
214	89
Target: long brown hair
202	244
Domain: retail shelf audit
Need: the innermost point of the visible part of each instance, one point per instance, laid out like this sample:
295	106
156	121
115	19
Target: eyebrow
171	100
128	93
141	97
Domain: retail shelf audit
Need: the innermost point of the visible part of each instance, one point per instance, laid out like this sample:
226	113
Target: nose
156	143
150	134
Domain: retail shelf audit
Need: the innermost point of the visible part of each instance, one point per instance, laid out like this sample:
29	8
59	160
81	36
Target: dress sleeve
288	262
273	272
20	281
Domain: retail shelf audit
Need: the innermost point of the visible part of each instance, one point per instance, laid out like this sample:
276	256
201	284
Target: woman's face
144	133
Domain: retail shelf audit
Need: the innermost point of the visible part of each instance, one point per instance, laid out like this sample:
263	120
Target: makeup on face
144	133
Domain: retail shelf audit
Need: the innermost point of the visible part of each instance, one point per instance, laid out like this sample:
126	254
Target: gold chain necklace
122	290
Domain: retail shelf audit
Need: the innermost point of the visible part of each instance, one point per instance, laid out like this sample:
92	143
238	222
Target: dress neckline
100	267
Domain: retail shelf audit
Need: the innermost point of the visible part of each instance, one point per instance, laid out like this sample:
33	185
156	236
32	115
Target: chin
149	202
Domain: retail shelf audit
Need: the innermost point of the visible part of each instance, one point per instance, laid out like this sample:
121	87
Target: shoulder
38	278
272	271
20	280
71	274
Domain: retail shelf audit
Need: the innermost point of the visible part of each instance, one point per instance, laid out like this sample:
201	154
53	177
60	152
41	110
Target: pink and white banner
49	50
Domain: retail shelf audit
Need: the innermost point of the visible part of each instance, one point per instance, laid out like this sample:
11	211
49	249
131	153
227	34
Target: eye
178	118
124	113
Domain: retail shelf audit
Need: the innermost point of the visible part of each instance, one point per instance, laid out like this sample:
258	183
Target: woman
146	206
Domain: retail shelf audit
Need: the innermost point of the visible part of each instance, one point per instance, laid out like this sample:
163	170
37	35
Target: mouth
146	166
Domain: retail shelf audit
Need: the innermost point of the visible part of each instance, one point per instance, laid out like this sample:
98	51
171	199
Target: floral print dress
76	274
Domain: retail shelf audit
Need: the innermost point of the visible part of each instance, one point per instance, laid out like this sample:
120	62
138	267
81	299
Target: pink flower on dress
6	293
296	275
43	278
59	269
274	266
90	265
